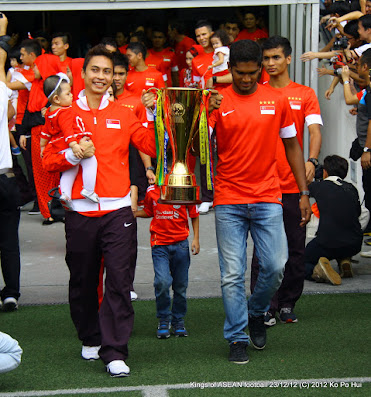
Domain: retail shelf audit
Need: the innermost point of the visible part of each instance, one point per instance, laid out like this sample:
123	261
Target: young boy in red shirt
170	254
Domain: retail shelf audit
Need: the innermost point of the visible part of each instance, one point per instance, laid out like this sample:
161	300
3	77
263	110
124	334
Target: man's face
98	75
58	46
26	57
133	58
119	77
120	39
245	76
368	7
232	30
203	36
354	43
275	62
249	21
43	42
363	33
158	40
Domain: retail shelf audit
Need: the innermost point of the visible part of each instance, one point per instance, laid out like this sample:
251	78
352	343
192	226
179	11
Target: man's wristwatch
150	169
305	193
313	161
366	149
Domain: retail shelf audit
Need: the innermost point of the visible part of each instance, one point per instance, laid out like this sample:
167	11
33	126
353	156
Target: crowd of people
87	125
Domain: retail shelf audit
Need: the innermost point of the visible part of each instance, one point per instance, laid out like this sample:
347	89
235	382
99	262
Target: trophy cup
181	117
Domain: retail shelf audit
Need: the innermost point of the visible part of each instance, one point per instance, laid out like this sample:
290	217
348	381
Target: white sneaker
205	207
133	296
118	369
10	304
92	196
366	254
90	352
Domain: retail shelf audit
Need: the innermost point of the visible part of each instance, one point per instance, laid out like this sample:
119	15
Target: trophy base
180	195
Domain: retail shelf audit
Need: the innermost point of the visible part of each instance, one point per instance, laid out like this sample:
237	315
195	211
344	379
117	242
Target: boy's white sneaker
118	369
92	196
90	352
133	296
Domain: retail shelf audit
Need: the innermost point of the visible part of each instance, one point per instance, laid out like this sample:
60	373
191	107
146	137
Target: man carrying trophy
247	197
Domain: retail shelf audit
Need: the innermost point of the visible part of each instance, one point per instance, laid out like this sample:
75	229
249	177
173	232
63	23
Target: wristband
305	193
150	169
214	80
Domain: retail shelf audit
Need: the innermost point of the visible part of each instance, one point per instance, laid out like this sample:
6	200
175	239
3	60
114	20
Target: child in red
170	254
58	131
186	78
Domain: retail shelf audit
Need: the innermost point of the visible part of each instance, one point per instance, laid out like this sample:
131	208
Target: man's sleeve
48	65
312	110
287	127
142	138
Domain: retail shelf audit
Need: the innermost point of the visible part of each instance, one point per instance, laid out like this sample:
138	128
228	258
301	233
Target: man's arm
294	156
315	141
3	26
195	247
350	97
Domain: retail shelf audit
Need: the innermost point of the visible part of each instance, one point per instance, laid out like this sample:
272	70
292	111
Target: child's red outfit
170	254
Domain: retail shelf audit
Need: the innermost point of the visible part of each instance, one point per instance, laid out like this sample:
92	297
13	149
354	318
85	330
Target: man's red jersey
136	82
181	49
305	109
247	130
167	62
200	64
135	104
258	34
25	76
170	222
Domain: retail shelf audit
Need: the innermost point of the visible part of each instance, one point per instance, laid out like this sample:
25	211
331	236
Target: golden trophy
180	118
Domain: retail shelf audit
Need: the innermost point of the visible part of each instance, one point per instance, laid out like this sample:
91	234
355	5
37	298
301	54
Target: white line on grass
161	390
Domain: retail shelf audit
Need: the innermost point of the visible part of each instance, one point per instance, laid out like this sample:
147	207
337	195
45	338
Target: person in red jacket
107	228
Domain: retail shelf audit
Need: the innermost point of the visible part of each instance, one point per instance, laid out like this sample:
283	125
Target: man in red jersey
163	58
182	43
141	77
204	59
305	109
251	31
105	229
248	124
232	28
60	46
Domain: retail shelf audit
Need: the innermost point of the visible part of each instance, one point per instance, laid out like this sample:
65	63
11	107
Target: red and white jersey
136	82
170	222
248	128
135	104
113	127
200	64
305	109
58	125
26	76
167	62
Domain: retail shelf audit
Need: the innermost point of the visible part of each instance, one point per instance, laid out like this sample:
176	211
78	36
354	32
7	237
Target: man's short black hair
109	41
365	20
336	166
278	42
98	51
245	51
366	58
121	60
159	29
31	45
351	28
138	48
178	26
65	36
204	23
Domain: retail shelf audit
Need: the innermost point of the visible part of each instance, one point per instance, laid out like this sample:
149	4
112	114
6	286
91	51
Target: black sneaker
179	329
163	329
258	332
269	319
35	209
237	353
287	316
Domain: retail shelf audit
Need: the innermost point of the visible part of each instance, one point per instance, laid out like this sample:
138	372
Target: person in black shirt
339	235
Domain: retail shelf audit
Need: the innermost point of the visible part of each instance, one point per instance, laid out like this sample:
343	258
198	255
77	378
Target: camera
341	43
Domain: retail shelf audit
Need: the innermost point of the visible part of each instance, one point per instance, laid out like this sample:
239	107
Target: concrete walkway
44	275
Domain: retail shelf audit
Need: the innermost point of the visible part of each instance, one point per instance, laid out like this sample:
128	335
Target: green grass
331	340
